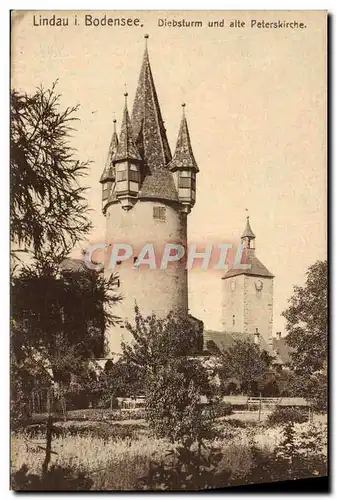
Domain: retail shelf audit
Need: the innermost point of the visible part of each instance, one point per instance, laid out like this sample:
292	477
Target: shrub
285	415
56	479
223	410
186	468
173	408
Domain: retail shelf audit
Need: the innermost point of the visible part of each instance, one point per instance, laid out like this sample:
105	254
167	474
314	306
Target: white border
4	176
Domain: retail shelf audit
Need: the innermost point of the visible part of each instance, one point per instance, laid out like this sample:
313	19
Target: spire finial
248	233
146	36
183	106
126	94
114	121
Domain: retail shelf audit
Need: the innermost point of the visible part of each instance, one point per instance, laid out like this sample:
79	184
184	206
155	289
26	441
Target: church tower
248	294
146	197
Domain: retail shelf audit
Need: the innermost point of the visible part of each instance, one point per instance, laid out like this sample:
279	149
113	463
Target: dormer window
159	213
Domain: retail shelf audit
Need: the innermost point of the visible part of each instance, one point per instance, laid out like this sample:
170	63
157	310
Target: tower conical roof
108	169
183	156
248	233
126	149
148	126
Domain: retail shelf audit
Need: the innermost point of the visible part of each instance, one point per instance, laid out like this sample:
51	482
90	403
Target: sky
256	110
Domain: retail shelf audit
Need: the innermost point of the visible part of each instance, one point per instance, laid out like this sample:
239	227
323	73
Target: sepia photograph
168	257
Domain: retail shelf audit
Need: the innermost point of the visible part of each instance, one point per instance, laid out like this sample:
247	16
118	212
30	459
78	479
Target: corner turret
184	166
108	175
127	163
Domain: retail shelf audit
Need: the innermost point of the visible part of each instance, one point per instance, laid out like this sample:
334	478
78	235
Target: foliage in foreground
307	317
193	469
57	478
49	212
173	402
119	463
173	381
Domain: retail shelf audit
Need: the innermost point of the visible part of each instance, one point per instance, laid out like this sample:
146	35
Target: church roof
108	169
214	340
126	148
148	126
256	266
183	156
248	232
282	348
224	340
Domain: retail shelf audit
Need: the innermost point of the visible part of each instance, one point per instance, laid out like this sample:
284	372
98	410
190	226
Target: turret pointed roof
183	156
248	233
126	149
108	169
148	126
256	268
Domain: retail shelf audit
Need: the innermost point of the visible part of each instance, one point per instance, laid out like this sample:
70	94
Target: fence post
260	404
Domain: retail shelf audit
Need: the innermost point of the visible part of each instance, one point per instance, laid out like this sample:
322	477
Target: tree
48	208
173	402
157	340
60	317
246	362
120	379
173	380
306	321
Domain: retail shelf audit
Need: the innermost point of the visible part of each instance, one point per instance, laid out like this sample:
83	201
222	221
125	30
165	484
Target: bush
57	478
173	408
282	416
223	410
188	469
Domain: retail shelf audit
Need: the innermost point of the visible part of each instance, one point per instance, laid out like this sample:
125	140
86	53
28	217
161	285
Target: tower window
122	176
185	182
159	213
105	190
133	176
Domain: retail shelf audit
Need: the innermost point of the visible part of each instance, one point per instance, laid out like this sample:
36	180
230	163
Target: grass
116	461
112	464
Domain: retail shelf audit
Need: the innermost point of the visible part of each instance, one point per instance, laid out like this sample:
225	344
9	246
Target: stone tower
248	294
146	197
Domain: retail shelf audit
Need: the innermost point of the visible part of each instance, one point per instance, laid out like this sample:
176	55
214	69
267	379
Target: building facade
147	195
247	305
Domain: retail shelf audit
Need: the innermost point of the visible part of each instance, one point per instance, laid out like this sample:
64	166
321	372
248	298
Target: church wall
233	304
156	291
258	309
